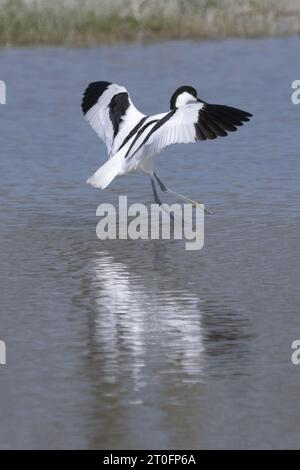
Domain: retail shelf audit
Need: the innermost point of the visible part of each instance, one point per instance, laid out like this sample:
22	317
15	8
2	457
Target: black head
185	94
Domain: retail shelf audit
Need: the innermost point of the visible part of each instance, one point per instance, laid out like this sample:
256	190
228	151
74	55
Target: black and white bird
134	140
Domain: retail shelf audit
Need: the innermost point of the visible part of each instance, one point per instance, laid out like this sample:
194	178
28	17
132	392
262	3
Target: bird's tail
107	172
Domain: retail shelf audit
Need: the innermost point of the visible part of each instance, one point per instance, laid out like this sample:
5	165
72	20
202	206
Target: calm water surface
129	344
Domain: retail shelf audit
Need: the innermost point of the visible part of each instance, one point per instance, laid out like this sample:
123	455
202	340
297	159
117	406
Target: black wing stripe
117	108
137	137
159	123
132	132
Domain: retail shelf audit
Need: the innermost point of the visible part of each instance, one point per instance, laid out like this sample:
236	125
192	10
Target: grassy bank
79	22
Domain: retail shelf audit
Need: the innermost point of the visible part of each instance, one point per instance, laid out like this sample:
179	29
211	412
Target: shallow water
130	344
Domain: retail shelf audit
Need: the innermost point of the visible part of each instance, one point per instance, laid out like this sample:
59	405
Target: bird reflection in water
143	325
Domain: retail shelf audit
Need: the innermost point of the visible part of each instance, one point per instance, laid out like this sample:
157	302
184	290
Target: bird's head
183	95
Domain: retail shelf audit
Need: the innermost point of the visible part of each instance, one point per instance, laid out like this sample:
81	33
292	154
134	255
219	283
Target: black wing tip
239	113
217	120
92	93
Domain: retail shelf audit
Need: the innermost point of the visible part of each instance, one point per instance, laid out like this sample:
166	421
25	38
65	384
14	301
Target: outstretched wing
111	113
193	122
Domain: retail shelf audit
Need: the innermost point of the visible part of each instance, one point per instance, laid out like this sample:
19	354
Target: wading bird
134	140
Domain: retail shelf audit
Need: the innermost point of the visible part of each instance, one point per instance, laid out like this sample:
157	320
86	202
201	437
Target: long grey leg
161	184
156	197
184	198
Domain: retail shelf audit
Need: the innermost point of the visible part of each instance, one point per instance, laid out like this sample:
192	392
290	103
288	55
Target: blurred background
141	344
86	22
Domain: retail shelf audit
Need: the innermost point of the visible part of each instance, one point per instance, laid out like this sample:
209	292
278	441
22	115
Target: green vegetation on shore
88	22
